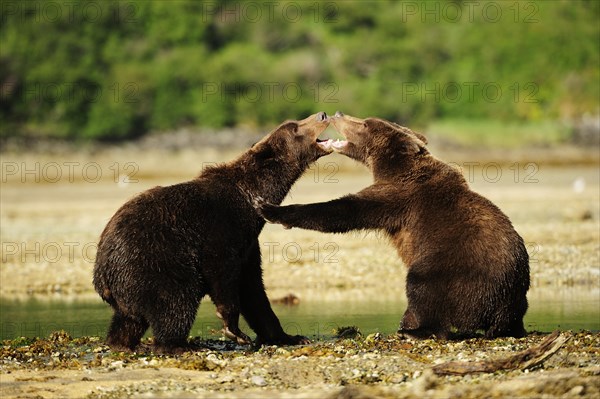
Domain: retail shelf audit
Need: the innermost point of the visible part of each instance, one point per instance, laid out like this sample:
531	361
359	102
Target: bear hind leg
515	329
427	314
171	321
171	335
125	332
409	320
411	327
509	321
424	333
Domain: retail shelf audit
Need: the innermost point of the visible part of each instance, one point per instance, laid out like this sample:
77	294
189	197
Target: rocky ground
359	367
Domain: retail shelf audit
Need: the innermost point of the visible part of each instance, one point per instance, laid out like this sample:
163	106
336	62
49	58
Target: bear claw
240	337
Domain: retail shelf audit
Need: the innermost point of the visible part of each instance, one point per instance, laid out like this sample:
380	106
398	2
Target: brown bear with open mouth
468	268
168	247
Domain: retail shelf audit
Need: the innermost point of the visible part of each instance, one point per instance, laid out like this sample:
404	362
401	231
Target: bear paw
283	340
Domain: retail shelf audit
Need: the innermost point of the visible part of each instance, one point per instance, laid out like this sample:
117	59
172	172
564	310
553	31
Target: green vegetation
112	70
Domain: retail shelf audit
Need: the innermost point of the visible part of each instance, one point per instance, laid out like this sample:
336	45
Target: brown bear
468	268
169	246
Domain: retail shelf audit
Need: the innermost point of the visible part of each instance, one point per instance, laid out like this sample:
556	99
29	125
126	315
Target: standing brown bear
468	269
169	246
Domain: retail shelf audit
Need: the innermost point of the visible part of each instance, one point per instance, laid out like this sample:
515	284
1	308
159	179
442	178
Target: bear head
295	141
379	144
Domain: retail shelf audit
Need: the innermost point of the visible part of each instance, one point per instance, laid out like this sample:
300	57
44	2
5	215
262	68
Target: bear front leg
256	307
345	214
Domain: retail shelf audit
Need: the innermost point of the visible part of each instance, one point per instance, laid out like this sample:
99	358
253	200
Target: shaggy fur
169	246
468	269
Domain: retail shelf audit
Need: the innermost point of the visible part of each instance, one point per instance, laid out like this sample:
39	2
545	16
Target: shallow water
573	308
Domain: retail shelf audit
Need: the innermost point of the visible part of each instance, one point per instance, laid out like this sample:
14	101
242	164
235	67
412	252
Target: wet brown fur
468	268
169	246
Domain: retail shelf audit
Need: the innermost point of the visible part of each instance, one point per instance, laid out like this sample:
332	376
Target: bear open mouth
328	144
324	143
339	144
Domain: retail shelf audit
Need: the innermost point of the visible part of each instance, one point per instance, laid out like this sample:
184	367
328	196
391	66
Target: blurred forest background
117	70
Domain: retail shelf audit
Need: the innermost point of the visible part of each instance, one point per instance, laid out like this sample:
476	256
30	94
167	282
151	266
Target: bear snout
321	116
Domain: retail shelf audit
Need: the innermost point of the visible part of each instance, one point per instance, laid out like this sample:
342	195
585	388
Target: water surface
566	309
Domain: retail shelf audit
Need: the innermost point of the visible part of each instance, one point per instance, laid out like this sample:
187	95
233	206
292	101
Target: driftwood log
521	360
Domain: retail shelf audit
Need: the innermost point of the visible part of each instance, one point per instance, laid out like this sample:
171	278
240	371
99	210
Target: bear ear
421	137
406	144
265	154
411	148
292	127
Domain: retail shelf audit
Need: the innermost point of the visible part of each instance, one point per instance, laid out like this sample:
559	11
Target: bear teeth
326	144
339	144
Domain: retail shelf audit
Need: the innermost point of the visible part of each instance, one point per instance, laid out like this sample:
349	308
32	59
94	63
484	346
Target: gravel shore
375	366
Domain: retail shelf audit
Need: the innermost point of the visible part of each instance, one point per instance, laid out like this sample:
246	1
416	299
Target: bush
115	70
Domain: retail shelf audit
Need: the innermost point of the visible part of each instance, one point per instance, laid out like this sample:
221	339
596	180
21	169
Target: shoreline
375	366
